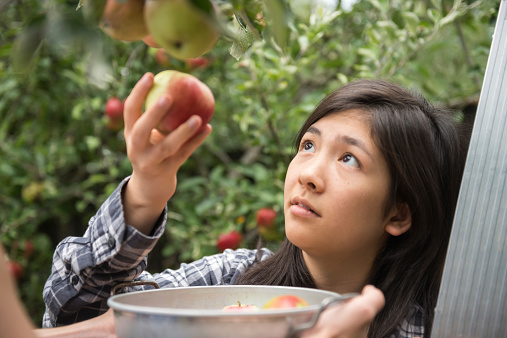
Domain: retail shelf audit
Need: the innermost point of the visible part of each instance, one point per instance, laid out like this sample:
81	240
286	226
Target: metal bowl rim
177	312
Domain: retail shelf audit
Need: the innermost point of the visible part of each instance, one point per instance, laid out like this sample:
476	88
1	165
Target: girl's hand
155	157
351	319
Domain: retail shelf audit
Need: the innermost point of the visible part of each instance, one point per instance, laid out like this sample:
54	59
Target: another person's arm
14	321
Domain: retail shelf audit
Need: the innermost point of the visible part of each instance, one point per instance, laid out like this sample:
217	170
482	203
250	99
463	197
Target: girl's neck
341	277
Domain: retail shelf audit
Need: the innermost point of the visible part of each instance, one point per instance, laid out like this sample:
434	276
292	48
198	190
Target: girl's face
336	190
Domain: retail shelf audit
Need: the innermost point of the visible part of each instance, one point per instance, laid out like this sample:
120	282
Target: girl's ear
400	220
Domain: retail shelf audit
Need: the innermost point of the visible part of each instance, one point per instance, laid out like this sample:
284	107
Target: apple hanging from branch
266	224
190	97
124	20
230	240
180	27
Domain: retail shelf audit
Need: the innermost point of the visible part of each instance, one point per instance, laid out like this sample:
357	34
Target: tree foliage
60	161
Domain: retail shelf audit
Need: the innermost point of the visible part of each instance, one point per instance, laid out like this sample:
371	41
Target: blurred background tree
61	154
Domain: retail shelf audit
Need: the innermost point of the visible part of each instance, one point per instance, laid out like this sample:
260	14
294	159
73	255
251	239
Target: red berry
15	269
265	217
230	240
114	108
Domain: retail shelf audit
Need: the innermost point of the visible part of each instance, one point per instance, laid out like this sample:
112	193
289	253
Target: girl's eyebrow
344	139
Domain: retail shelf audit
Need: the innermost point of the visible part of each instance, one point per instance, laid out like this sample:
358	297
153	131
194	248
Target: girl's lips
302	208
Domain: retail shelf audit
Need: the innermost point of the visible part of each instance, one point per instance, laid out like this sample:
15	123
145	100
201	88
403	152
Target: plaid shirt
85	269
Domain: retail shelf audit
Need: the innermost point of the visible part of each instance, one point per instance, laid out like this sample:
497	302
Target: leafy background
59	159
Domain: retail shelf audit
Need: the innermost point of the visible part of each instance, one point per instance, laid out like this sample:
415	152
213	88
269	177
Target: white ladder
473	295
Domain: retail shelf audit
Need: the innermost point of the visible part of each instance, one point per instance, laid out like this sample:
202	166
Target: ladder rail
472	300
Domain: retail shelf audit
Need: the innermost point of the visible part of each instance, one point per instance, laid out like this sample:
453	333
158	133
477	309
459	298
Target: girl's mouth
301	207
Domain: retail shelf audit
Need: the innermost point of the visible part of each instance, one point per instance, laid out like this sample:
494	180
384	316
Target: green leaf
278	21
92	11
25	49
437	4
449	18
411	21
378	5
244	39
368	53
203	5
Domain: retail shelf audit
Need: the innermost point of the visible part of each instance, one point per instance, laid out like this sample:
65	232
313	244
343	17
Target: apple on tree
265	217
285	301
15	269
163	59
230	240
25	246
114	113
190	97
114	108
266	224
197	63
32	192
180	27
150	41
124	20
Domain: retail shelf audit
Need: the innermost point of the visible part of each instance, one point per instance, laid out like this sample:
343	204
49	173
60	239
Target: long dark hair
425	151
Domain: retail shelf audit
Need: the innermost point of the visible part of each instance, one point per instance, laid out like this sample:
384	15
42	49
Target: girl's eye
350	160
307	146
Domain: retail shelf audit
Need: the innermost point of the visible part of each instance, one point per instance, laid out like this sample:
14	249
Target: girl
369	198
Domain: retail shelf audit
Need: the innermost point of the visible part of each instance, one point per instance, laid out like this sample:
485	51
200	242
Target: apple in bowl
284	302
240	308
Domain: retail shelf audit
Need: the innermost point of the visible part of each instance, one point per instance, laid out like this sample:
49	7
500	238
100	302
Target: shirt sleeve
413	324
86	268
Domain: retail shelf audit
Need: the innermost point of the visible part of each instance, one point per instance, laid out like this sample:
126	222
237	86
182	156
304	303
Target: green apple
32	192
190	97
124	20
285	301
181	28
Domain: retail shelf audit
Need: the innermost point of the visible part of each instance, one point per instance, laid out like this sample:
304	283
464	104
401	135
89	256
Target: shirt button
75	280
111	242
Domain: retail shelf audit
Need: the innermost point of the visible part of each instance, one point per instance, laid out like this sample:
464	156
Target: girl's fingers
184	141
156	136
134	102
190	146
149	120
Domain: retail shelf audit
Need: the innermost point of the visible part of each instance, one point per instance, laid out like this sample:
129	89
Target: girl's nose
312	175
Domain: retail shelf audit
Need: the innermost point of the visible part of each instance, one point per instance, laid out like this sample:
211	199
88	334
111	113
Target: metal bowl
197	312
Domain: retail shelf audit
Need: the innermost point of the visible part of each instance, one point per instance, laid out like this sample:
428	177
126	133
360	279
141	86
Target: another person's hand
98	327
350	319
155	157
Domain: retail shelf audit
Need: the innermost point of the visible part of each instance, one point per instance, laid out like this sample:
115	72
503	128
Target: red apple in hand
285	301
230	240
190	97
